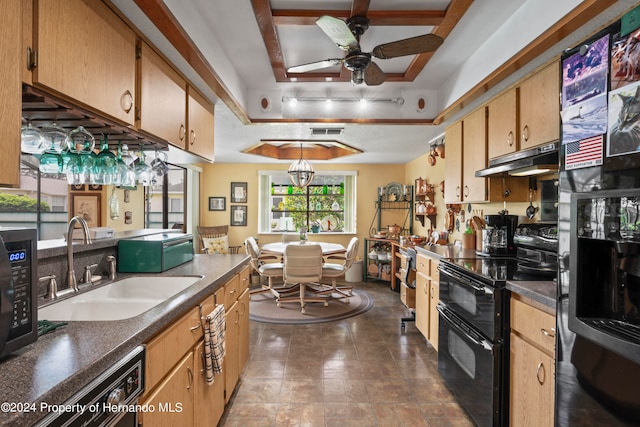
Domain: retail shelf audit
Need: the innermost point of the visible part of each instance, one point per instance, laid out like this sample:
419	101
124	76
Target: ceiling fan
363	70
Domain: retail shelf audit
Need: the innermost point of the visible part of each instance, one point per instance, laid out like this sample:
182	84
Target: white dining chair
302	267
267	266
333	270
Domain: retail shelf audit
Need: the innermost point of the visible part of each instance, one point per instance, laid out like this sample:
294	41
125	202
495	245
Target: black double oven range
473	341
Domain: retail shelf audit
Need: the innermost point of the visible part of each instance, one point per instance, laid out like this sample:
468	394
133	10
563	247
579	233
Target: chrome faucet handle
86	278
52	287
112	266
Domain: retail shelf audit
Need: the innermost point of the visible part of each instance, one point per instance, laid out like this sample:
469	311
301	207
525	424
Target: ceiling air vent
326	131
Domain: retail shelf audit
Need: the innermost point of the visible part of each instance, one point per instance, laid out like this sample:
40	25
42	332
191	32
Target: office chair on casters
334	270
266	266
409	280
302	266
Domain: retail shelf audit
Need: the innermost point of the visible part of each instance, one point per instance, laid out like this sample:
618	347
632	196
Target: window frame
264	199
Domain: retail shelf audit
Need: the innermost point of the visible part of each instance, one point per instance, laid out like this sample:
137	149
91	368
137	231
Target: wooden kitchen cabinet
175	394
539	107
86	53
532	365
209	398
11	59
200	123
453	171
502	126
474	156
162	105
231	366
427	296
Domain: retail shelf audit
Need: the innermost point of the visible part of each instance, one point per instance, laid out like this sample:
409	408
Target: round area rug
263	308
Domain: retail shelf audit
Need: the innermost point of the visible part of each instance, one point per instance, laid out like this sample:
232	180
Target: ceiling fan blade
410	46
373	75
314	66
338	32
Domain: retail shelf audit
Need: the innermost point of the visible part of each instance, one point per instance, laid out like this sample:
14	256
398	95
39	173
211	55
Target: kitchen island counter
62	362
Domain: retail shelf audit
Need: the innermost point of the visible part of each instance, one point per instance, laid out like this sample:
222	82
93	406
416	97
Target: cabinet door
87	53
532	385
243	330
200	125
502	126
474	149
434	296
173	398
163	99
209	398
540	107
231	368
453	171
10	92
422	303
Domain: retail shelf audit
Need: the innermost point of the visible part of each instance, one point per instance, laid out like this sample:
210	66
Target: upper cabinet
200	139
540	107
526	116
502	125
466	153
87	53
11	59
162	107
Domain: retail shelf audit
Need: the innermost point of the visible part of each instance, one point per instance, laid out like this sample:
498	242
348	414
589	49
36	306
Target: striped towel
214	327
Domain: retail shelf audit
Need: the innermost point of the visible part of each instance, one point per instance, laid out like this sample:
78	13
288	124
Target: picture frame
239	216
217	203
95	187
77	187
238	192
87	206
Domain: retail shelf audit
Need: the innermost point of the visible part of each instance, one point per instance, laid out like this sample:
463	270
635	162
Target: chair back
352	252
253	250
218	233
302	263
290	237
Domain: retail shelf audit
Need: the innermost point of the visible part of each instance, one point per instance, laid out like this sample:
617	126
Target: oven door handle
468	282
480	342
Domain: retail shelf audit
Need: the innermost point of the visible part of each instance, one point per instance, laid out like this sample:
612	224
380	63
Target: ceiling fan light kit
346	35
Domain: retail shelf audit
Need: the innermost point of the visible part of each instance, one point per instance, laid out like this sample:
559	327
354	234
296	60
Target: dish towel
214	328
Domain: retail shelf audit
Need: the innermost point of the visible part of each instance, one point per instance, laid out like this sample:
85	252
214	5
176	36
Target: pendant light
301	172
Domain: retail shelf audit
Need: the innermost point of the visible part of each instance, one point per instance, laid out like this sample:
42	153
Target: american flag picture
584	153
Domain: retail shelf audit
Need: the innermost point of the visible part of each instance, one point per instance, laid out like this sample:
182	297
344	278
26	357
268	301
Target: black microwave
18	289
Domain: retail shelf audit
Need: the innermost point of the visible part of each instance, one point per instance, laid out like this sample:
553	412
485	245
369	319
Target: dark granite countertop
445	251
543	292
60	363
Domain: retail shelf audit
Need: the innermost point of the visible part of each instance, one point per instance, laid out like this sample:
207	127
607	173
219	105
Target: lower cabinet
532	364
175	377
427	296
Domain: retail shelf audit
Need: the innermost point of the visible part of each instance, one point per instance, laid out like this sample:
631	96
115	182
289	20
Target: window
327	205
165	200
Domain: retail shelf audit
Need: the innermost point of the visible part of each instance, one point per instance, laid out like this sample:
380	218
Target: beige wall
135	206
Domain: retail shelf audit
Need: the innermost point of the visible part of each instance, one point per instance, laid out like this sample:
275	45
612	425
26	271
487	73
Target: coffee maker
497	237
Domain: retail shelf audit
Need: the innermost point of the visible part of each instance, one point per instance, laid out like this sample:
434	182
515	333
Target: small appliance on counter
95	233
155	253
497	236
18	289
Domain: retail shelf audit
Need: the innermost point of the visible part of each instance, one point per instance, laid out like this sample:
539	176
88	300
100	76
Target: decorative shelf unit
383	205
425	202
379	254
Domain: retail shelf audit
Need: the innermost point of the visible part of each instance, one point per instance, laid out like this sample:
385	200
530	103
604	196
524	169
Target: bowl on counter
417	240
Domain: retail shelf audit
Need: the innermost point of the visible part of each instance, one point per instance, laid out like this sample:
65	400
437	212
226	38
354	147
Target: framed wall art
239	216
238	192
86	206
217	203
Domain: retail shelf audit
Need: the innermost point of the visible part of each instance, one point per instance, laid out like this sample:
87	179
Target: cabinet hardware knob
458	192
195	328
190	373
525	133
126	101
466	191
182	132
547	333
539	371
193	137
510	139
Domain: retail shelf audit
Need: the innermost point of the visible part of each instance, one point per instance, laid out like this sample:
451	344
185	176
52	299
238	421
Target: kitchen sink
119	300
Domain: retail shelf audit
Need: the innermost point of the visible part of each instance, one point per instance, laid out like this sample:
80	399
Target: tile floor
361	371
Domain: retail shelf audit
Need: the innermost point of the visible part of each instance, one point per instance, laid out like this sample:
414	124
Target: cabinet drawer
423	264
244	280
166	349
231	291
534	325
407	296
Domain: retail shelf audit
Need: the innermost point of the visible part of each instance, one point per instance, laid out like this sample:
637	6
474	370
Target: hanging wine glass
125	176
75	174
144	173
159	166
55	140
31	140
128	157
106	166
81	143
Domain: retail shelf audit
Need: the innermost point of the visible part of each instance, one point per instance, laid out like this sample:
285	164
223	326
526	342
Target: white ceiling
227	34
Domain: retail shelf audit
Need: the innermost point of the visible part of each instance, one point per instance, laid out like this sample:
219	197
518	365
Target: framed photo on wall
217	203
87	206
238	192
239	216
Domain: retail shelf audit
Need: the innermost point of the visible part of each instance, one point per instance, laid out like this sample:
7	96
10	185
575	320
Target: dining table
277	248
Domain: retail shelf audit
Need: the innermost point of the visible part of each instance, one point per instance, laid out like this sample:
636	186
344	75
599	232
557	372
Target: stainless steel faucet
71	274
112	267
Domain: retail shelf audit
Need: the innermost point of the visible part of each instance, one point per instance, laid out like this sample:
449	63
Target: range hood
537	160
